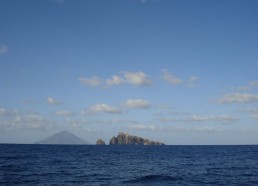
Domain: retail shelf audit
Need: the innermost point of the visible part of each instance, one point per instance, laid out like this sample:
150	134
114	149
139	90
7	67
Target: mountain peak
63	138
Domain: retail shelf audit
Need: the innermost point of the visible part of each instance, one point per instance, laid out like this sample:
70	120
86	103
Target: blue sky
182	72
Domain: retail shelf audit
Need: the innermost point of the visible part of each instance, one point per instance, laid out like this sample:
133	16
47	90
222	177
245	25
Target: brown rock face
100	142
125	139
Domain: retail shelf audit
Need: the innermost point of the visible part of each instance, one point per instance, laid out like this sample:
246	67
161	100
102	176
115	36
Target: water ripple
128	165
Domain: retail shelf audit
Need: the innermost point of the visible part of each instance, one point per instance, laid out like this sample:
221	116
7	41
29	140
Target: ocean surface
128	165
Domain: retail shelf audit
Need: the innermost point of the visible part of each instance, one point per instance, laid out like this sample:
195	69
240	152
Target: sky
179	71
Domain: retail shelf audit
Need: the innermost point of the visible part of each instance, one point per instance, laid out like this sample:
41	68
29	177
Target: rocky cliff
100	142
126	139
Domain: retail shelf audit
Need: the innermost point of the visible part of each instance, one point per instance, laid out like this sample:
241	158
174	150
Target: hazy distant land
63	138
67	138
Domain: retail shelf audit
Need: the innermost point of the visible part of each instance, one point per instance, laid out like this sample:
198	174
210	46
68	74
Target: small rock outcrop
100	142
126	139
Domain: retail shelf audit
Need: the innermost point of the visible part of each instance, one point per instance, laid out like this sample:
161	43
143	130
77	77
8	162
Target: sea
128	165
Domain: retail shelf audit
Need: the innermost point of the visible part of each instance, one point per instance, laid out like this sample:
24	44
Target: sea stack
100	142
126	139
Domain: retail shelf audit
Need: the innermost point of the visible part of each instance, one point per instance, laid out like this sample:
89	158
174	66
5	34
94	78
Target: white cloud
249	86
4	112
101	108
133	78
243	88
3	48
83	121
197	118
93	81
116	80
64	113
52	101
205	129
255	115
32	118
192	81
167	120
174	80
78	122
137	78
193	78
220	118
27	121
137	103
34	121
253	112
253	83
171	79
143	127
238	98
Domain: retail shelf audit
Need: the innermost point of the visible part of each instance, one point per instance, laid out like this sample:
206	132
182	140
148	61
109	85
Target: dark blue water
128	165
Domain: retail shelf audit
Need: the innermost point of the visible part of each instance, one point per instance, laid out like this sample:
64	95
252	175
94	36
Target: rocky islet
126	139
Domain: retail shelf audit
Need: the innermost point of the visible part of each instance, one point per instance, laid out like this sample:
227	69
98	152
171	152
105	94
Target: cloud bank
64	113
139	79
174	80
115	80
238	98
93	81
137	103
171	79
100	109
52	101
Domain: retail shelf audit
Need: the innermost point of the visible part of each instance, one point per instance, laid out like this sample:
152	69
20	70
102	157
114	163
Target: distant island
126	139
63	138
67	138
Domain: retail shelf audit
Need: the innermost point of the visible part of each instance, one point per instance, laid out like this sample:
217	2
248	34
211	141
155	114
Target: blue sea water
128	165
